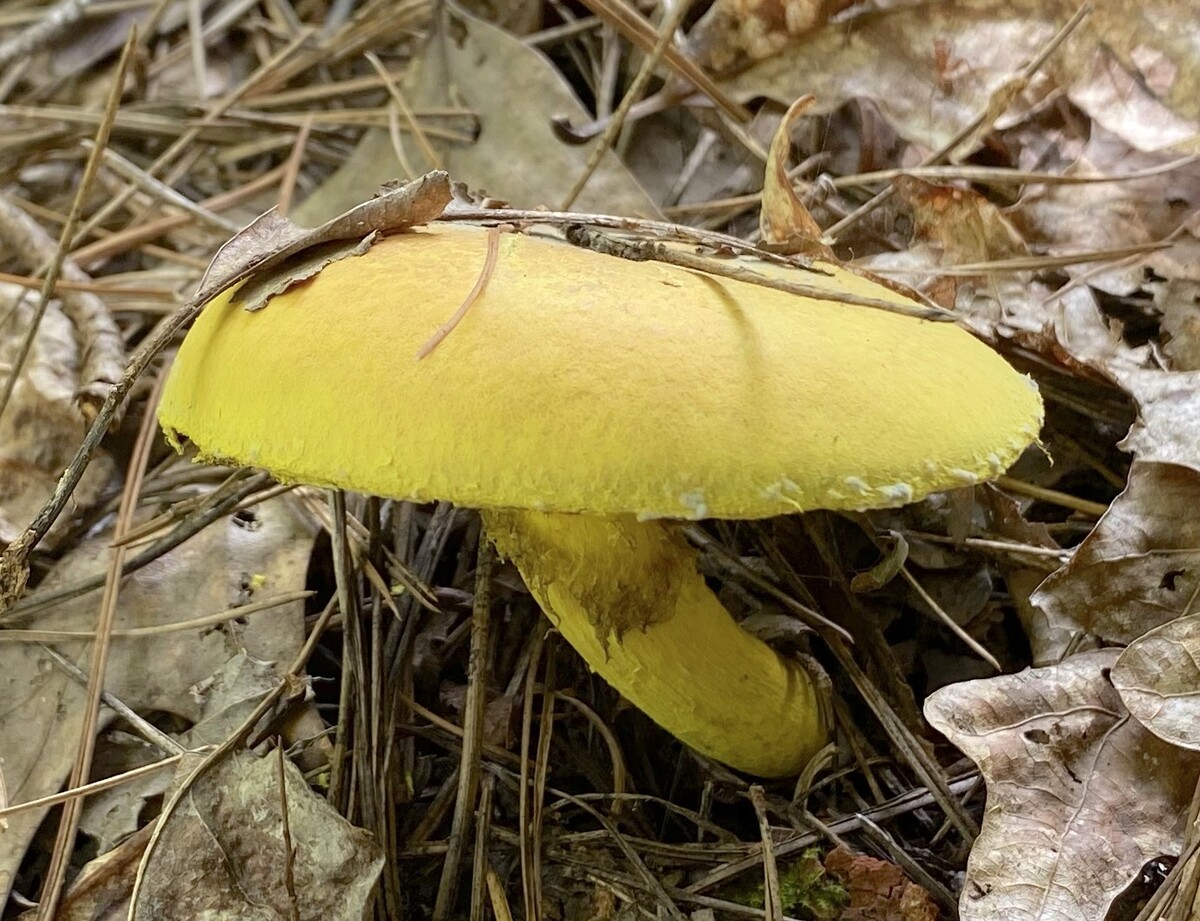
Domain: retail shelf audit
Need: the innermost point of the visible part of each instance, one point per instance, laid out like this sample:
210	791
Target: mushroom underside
628	597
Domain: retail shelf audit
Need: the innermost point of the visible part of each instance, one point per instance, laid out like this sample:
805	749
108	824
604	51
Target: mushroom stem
627	595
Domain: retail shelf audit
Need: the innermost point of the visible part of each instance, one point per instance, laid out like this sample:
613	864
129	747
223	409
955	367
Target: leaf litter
1088	286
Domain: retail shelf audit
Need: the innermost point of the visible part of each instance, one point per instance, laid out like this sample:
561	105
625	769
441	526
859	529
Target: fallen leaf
222	853
930	69
41	427
270	239
784	222
1138	567
1080	795
515	154
1158	676
229	563
878	889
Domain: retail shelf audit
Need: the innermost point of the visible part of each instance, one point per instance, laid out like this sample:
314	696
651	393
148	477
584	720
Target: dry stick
435	162
285	828
114	244
159	189
195	623
908	746
64	842
949	622
541	768
50	24
291	168
642	251
192	525
483	826
347	599
290	684
666	32
529	886
971	127
472	744
146	730
68	232
916	872
489	266
14	565
772	897
96	786
1053	496
184	141
87	287
634	27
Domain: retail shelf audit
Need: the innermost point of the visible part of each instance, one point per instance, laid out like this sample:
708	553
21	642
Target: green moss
805	889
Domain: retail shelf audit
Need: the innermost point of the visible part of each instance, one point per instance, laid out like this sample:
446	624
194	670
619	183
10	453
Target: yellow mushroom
582	398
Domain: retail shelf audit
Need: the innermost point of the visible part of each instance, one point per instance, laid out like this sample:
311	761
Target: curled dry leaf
1140	565
784	222
1158	676
42	426
271	239
1080	796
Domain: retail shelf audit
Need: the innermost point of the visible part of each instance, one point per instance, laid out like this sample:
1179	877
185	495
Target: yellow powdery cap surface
584	382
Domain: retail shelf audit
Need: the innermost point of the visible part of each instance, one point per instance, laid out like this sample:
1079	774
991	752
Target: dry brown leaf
1080	796
41	427
1083	217
225	699
735	33
1158	676
783	220
221	853
1138	567
961	225
514	93
930	69
262	553
1178	302
271	239
878	889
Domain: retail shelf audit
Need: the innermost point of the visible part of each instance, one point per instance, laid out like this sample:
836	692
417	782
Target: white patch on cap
693	501
858	484
897	492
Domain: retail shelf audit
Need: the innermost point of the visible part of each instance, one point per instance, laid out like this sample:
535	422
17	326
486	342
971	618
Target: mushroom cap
581	382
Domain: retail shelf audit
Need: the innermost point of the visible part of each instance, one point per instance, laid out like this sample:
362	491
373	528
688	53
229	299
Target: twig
50	24
285	828
772	898
100	346
949	622
634	27
64	842
96	786
393	88
671	21
291	168
644	251
289	684
472	739
989	113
